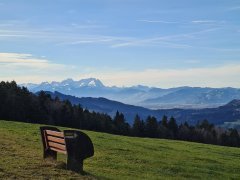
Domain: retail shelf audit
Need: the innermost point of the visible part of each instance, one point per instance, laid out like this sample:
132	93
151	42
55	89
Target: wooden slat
54	133
55	139
56	145
58	150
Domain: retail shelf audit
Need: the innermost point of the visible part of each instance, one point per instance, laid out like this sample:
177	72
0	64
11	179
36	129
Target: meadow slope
116	157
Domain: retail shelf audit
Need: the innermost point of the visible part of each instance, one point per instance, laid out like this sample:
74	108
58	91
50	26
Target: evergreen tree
172	126
121	127
138	127
152	127
164	121
234	139
205	125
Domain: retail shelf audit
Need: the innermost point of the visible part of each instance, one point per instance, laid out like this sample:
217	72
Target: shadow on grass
63	166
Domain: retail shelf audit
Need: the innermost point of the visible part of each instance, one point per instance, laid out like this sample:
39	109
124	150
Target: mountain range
219	116
149	97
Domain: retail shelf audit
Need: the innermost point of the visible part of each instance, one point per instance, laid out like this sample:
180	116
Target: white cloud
20	58
27	68
157	21
23	60
216	23
86	26
203	21
92	40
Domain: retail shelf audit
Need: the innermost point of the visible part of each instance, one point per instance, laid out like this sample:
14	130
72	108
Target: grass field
116	157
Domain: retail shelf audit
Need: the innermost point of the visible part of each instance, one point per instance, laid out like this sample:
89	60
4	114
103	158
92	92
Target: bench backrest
55	141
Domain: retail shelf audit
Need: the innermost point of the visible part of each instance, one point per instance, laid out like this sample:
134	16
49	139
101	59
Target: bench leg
49	154
75	165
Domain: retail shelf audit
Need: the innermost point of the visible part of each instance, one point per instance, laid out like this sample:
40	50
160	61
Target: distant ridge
227	113
149	97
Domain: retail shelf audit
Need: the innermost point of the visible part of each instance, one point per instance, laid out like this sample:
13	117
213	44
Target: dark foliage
19	104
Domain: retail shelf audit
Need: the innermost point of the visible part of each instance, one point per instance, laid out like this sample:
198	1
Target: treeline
203	132
18	104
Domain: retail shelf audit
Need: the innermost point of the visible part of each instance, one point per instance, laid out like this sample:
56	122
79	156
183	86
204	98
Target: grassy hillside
116	157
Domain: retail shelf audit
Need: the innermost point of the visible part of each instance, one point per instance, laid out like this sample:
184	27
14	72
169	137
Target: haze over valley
148	97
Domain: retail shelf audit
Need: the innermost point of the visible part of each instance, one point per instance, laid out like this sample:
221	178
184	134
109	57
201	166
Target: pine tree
152	127
164	121
121	127
138	127
172	126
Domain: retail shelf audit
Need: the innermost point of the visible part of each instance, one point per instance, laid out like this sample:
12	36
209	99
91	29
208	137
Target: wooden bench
75	144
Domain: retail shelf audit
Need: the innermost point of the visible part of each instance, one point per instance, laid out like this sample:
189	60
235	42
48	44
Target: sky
162	43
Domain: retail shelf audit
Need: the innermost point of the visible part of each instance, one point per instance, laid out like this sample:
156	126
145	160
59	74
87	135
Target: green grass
116	157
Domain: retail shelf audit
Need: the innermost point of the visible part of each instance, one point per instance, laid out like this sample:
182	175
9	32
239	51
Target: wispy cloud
170	41
24	28
11	35
87	26
157	21
203	21
198	21
151	42
93	40
208	22
16	58
27	68
80	34
235	8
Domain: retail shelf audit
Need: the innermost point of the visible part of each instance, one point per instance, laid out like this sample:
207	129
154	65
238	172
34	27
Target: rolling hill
116	157
227	113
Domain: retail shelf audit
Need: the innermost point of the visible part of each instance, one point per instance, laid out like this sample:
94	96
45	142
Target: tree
205	125
164	121
151	127
234	139
172	126
138	127
121	127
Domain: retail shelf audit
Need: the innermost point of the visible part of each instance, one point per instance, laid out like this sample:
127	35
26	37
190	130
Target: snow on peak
91	82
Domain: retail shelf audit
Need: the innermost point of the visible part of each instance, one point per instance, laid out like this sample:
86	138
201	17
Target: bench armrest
78	144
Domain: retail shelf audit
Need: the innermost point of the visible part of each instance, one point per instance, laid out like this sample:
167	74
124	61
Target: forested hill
218	116
18	104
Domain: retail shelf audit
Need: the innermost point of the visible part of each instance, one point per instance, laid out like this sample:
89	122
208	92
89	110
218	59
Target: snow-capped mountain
150	97
90	82
65	85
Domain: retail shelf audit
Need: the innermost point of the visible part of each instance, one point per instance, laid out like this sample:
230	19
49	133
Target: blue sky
122	42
